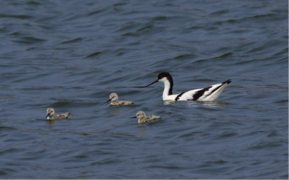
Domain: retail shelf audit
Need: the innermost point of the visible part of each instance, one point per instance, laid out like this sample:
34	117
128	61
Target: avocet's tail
205	94
215	91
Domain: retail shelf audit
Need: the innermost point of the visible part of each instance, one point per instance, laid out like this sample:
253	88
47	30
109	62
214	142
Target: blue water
70	55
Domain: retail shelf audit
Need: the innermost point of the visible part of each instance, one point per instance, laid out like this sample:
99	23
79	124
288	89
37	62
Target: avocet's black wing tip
227	82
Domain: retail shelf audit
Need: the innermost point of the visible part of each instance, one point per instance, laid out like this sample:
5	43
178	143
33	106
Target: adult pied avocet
204	94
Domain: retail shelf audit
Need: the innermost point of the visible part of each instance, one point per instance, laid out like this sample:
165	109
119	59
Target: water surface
71	55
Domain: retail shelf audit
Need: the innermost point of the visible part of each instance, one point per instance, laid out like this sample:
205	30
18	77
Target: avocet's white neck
167	87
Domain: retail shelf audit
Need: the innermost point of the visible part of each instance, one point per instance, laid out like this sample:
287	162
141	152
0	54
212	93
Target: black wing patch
200	93
178	97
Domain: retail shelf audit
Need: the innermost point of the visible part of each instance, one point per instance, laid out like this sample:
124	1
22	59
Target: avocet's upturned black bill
204	94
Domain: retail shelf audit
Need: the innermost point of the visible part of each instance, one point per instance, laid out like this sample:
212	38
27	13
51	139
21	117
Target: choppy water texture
71	55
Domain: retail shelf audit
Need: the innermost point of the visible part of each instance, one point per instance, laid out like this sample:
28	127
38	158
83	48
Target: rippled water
71	55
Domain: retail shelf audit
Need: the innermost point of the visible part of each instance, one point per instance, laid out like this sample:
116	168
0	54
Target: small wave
93	54
71	40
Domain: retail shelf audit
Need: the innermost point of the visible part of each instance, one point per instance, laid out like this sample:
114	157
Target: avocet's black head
165	76
162	77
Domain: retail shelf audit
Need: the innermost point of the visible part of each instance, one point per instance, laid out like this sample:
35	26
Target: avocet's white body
203	94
